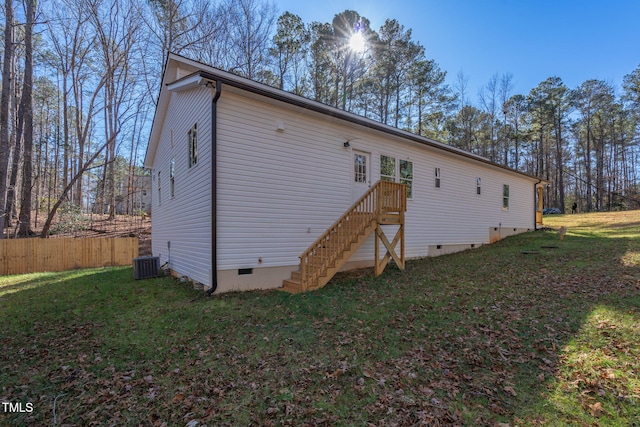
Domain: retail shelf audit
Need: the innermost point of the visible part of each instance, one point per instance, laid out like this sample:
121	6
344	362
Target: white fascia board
187	83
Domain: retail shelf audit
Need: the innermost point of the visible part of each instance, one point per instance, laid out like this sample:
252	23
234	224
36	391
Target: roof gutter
214	188
298	101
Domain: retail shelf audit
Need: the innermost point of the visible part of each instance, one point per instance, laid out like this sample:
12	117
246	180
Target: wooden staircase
384	203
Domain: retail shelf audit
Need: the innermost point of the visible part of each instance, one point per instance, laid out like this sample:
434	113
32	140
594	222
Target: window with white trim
159	189
478	186
172	177
437	177
505	197
387	168
406	176
394	170
193	145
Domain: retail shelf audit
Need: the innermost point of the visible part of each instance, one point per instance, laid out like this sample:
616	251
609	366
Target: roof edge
212	73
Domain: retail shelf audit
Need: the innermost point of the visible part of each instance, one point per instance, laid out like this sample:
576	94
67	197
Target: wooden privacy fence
18	256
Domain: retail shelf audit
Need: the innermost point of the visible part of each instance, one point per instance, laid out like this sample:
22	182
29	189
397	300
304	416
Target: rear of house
235	204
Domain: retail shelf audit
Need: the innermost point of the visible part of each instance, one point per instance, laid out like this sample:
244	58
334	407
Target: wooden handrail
382	197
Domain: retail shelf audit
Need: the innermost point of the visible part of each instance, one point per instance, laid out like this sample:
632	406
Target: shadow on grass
495	332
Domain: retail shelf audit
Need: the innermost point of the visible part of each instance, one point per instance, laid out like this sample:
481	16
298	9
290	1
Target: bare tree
250	25
5	100
26	107
115	24
176	25
489	101
462	87
72	49
504	92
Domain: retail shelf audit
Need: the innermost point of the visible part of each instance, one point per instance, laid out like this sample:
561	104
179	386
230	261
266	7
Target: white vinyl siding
267	208
184	219
271	211
284	176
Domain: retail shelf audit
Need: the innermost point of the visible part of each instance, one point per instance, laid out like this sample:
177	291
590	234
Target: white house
246	177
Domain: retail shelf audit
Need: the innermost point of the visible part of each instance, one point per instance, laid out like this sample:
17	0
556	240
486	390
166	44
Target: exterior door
361	173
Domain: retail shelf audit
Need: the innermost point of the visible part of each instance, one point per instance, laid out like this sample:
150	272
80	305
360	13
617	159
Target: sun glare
357	42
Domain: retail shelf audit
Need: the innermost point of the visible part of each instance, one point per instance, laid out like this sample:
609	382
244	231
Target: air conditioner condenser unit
146	267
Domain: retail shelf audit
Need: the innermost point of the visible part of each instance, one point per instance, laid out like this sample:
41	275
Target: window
387	168
437	178
406	176
402	174
172	177
159	189
478	186
193	145
360	167
505	197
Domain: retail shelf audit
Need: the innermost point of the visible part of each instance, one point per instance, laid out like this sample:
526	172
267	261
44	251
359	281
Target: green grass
485	337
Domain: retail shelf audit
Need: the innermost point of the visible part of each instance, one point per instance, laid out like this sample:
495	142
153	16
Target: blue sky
531	39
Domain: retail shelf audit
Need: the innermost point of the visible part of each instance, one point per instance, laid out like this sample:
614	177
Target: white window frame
478	186
408	180
159	189
387	176
192	146
172	177
397	173
437	178
360	173
505	197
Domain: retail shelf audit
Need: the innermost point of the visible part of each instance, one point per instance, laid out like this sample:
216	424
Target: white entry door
361	173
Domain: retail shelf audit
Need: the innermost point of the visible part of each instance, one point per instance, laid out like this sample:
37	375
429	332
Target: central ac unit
146	267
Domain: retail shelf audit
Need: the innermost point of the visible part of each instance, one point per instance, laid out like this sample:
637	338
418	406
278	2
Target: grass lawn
487	337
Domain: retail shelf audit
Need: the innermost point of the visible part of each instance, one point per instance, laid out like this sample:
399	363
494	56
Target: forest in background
80	80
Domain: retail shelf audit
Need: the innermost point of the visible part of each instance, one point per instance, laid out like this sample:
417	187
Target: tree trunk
5	99
560	162
27	107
